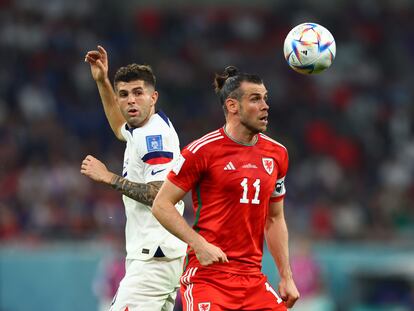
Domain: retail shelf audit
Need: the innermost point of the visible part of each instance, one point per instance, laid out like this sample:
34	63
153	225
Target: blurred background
349	132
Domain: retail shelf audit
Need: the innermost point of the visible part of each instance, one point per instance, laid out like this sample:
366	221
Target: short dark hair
227	84
134	72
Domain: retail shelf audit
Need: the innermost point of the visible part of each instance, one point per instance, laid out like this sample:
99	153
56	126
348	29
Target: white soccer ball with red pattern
309	48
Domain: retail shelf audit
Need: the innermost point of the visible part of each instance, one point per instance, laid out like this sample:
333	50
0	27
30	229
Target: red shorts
212	290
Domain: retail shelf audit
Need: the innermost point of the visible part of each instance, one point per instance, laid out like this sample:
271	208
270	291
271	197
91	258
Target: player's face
136	101
254	109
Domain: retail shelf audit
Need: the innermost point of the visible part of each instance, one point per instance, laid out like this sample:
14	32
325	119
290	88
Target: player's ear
232	105
154	97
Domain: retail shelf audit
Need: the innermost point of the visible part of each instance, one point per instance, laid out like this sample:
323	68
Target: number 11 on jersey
245	187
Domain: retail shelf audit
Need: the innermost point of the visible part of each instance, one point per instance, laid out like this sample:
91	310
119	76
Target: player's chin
262	125
135	121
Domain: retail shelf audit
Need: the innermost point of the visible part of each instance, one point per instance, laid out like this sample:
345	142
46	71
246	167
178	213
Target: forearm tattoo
143	193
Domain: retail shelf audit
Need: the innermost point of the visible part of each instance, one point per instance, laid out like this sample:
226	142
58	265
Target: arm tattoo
143	193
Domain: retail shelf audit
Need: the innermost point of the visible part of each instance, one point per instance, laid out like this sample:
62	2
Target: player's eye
137	92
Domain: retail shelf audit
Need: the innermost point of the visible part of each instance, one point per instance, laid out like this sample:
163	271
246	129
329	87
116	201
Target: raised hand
96	170
98	60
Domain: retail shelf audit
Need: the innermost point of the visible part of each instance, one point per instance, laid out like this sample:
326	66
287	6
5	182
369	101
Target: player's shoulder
272	143
206	143
158	125
159	122
156	135
162	119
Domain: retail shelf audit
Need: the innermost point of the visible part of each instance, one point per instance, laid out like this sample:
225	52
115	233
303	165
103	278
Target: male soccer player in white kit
154	256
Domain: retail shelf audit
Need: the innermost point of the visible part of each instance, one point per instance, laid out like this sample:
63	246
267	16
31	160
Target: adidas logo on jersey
229	167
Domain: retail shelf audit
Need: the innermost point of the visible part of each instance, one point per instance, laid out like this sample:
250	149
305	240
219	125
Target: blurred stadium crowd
349	131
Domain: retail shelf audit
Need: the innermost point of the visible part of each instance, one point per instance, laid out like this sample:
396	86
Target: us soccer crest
268	165
204	306
154	142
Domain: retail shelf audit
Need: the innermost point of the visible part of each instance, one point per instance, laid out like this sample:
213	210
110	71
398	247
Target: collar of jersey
238	142
131	129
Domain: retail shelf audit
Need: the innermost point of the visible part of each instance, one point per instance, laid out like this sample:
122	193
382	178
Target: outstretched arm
276	234
143	193
164	210
98	61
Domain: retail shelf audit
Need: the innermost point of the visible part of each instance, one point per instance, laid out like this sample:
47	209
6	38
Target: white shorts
149	285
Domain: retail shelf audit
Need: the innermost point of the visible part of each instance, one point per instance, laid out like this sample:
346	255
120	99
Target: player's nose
265	106
131	98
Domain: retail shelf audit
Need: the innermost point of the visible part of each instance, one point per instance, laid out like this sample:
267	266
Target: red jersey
232	185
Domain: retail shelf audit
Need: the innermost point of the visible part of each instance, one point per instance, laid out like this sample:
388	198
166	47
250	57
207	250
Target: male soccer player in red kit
236	175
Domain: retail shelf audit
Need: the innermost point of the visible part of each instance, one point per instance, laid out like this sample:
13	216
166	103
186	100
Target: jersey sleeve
280	190
188	169
157	153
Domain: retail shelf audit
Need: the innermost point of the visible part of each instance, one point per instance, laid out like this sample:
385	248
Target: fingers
223	257
95	55
290	301
84	167
289	294
219	256
285	298
89	158
92	56
214	255
102	51
86	163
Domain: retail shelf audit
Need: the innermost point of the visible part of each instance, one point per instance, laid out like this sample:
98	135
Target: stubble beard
136	121
253	129
248	125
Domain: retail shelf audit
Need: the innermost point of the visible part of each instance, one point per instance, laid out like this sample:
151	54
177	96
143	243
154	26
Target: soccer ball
309	48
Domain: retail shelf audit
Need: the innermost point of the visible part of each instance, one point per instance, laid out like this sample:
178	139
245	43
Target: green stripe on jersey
187	259
197	216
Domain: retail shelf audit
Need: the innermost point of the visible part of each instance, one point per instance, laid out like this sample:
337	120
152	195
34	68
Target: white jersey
150	153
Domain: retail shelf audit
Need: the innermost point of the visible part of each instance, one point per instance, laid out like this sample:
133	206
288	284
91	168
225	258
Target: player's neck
240	134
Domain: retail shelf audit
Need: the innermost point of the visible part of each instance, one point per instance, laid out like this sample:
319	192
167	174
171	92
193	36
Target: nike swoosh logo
156	172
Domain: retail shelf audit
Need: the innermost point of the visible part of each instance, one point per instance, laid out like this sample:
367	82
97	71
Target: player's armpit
143	193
